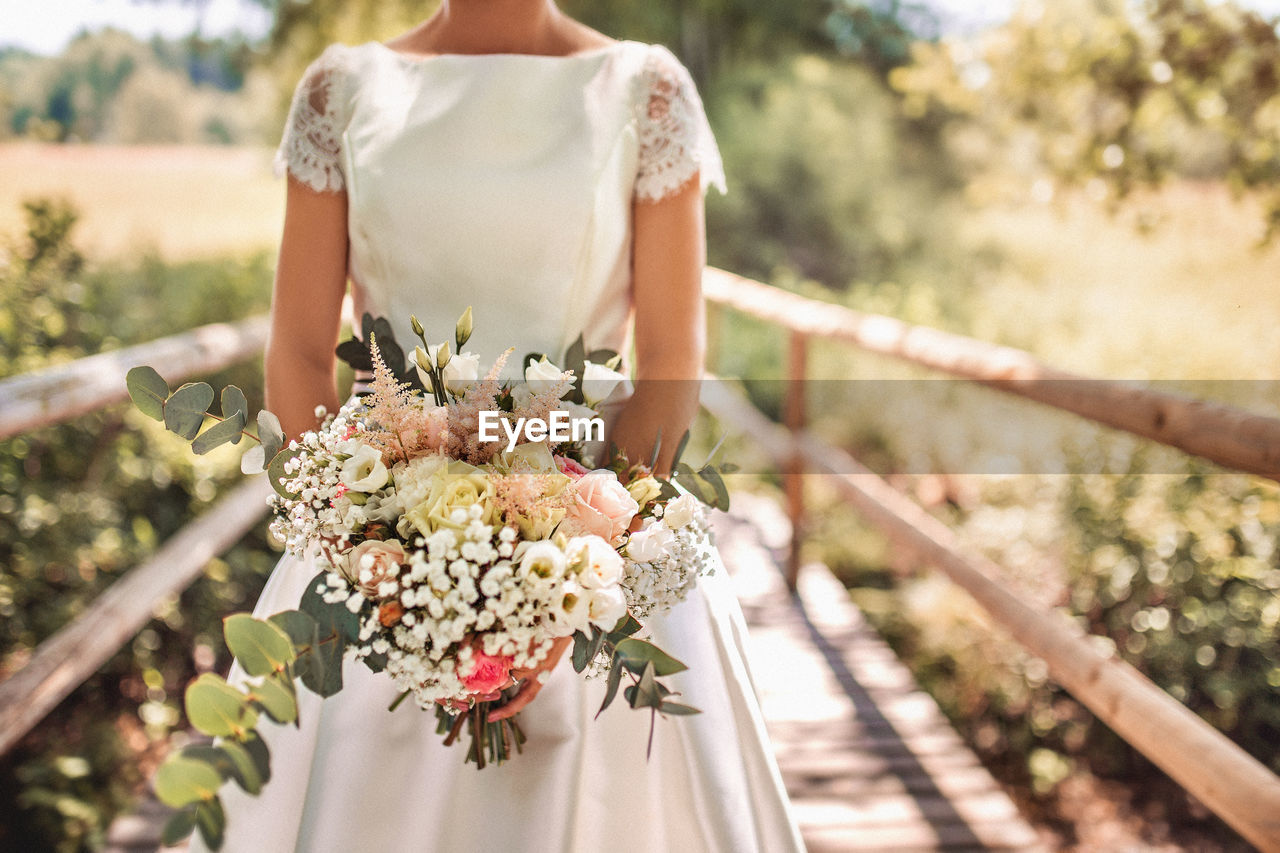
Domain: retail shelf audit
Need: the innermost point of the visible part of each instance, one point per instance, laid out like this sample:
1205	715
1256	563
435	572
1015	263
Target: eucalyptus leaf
182	780
329	616
581	643
276	696
256	747
276	474
626	626
355	354
300	627
637	654
262	647
178	827
677	708
646	692
228	430
148	390
611	686
712	477
233	402
270	433
684	442
246	769
185	409
216	708
211	820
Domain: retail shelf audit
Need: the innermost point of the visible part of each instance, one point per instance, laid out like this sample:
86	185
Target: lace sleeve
311	149
675	138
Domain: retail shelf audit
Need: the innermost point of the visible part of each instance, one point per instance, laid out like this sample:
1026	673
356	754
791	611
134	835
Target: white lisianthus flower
598	382
651	542
364	471
601	565
570	610
680	511
606	606
542	376
543	559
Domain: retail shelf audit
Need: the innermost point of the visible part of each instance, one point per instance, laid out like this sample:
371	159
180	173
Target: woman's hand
532	683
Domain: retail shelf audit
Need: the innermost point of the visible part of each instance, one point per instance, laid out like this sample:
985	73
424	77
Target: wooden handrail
1205	762
59	393
1222	434
62	662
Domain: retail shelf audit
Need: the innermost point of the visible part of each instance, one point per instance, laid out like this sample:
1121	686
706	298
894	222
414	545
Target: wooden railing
1207	764
1228	780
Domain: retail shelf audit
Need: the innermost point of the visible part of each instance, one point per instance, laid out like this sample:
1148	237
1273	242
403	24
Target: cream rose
541	376
372	563
458	486
601	506
364	471
650	542
644	489
680	511
598	382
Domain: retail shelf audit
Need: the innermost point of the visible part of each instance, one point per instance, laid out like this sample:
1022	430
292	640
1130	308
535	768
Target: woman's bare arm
669	253
306	307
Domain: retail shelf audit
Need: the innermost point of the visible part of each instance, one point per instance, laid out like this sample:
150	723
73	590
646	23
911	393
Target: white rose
680	511
606	606
542	376
651	542
461	371
598	382
601	565
364	471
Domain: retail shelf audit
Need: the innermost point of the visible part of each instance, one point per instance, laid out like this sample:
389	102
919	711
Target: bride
504	156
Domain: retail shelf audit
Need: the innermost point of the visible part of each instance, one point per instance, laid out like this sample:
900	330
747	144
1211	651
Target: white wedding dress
505	182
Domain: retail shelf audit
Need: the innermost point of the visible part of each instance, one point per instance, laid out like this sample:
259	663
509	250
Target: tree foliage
1122	93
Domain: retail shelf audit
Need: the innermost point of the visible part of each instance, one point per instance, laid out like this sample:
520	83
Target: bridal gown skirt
355	777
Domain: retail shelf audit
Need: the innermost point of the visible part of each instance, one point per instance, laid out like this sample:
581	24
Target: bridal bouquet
461	533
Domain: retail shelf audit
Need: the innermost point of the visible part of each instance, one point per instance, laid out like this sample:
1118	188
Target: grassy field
179	202
1186	296
1174	287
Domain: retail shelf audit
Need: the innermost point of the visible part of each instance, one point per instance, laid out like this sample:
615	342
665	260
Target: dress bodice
500	181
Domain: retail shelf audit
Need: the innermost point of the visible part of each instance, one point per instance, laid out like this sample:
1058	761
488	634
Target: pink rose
570	468
371	563
488	672
602	506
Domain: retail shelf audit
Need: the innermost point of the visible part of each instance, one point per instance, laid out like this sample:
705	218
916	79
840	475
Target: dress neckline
428	58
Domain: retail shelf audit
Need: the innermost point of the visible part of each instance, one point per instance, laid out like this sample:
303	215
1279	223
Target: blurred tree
110	87
1128	94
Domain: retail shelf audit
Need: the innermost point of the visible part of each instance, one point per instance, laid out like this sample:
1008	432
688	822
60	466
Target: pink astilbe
464	417
541	405
396	422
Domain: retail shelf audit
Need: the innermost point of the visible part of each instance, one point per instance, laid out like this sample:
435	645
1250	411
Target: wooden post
793	478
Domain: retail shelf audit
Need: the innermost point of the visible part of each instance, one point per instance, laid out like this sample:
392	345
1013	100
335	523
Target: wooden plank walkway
868	758
870	762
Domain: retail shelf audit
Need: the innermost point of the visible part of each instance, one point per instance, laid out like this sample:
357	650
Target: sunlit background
1092	181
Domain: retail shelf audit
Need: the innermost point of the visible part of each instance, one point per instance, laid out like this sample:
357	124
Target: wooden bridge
869	760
